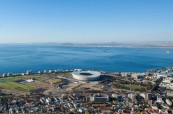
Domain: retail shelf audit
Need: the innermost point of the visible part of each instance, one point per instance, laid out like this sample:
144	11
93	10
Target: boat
167	52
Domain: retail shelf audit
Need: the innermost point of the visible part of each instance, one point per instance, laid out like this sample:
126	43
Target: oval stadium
86	75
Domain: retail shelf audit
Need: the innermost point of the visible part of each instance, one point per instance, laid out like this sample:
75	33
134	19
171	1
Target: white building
132	96
99	99
30	80
86	75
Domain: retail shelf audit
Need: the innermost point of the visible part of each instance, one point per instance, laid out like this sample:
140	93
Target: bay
19	58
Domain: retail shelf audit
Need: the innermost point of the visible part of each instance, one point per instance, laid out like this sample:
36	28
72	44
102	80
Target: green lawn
17	86
64	74
7	79
10	82
134	87
131	87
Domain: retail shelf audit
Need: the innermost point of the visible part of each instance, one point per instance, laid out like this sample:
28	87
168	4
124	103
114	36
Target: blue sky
28	21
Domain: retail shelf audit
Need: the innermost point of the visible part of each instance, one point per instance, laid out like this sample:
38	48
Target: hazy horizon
86	21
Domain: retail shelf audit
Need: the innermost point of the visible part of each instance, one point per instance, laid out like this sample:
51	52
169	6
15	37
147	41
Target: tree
86	112
138	112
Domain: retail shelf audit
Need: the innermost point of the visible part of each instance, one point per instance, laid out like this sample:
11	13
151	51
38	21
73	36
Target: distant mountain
125	44
108	44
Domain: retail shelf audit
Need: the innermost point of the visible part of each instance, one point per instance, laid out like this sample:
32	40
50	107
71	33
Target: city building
99	99
86	75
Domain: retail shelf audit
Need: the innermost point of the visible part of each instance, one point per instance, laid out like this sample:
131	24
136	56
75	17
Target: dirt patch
38	90
14	92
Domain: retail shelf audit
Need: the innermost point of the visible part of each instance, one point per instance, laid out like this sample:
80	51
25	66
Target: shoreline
51	71
29	72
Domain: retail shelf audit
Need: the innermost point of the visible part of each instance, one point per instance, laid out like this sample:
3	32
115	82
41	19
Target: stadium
86	75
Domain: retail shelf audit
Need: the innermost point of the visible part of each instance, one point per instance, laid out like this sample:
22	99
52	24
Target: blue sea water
19	58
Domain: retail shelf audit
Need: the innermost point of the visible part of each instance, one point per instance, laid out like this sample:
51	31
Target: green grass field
131	87
64	74
10	82
134	87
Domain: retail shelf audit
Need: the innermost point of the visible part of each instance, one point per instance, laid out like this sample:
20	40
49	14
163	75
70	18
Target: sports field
12	82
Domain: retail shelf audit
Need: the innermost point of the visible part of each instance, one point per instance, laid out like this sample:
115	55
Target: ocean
19	58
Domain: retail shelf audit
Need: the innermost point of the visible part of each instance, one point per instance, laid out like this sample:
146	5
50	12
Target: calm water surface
19	58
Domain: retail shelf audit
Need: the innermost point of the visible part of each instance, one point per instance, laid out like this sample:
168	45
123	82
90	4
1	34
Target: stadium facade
86	75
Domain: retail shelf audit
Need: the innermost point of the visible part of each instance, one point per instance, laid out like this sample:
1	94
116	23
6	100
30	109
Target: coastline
106	45
48	71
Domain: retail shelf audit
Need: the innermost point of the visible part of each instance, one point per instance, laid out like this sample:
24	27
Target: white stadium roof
86	75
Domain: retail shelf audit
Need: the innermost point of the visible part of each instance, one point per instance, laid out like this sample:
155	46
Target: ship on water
167	52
